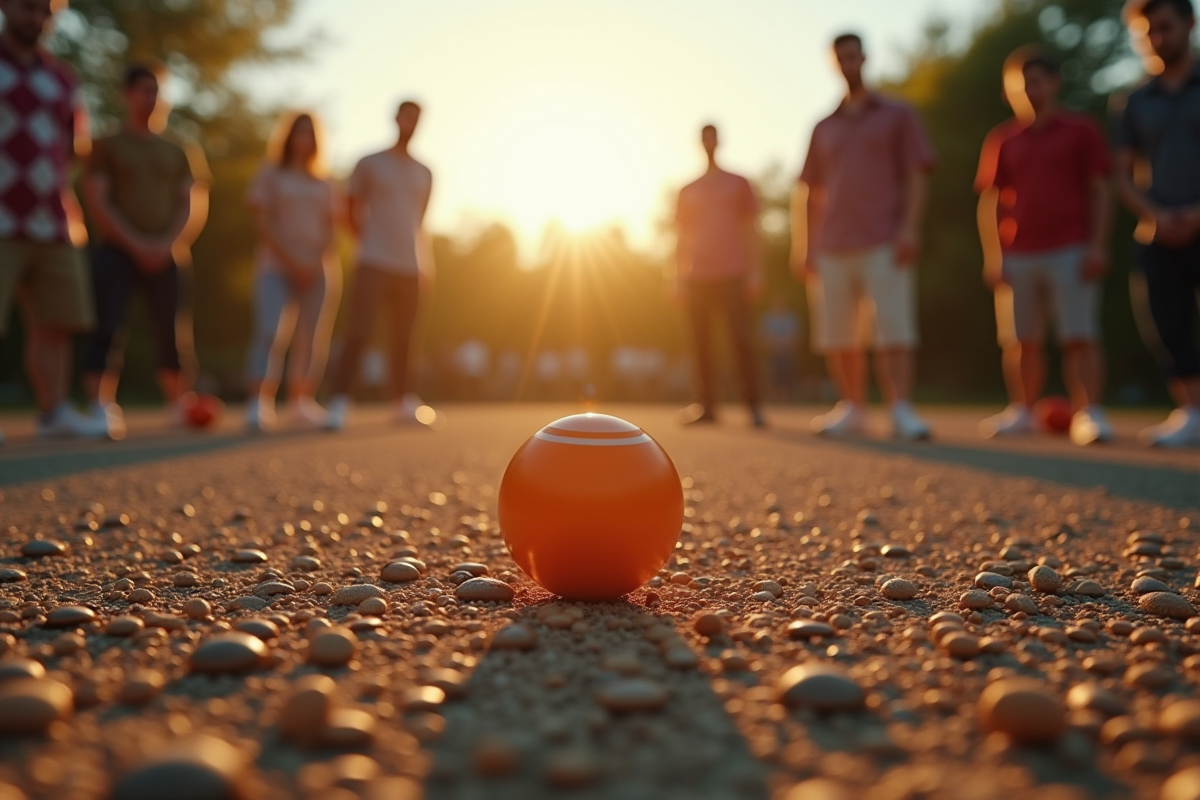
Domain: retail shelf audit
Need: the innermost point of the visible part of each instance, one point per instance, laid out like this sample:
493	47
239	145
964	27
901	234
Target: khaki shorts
862	298
50	280
1035	284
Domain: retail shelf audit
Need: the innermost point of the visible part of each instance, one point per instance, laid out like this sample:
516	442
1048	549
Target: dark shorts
115	278
1164	290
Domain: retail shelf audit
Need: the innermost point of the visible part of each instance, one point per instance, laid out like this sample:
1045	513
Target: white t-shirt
300	207
392	192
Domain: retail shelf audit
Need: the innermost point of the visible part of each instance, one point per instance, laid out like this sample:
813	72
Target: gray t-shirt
1163	131
393	191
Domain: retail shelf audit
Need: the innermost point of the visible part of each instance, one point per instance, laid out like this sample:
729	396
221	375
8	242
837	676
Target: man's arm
916	193
752	242
1095	262
987	218
97	196
807	205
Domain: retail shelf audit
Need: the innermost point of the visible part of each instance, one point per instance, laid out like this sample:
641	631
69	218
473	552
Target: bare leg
1083	373
48	363
894	371
1025	364
847	369
171	382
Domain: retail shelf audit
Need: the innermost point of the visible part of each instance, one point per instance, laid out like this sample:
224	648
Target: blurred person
856	233
472	361
298	278
780	332
388	197
718	274
148	199
43	129
1045	216
1156	139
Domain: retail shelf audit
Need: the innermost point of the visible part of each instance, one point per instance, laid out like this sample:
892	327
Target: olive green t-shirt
147	175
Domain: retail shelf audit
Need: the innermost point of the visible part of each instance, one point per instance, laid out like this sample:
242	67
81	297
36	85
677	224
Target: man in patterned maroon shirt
41	129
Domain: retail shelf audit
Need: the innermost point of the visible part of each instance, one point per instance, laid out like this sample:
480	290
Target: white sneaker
110	416
1090	425
337	413
1014	420
65	422
1182	429
306	413
907	425
411	410
260	416
845	419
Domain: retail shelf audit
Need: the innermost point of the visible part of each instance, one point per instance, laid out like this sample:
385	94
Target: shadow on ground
543	702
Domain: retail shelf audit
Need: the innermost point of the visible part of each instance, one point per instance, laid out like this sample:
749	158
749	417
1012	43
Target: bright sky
585	111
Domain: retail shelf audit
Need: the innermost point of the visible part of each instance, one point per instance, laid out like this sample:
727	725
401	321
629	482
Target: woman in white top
298	280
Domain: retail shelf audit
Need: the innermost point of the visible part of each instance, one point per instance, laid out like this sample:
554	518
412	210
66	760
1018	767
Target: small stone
452	682
306	563
1183	785
42	548
894	551
1149	676
256	626
1045	580
249	557
975	600
353	595
820	686
472	567
1166	604
495	757
399	572
348	727
200	767
808	629
1094	697
485	590
332	647
248	603
633	694
185	580
1181	719
1088	588
961	645
69	616
819	789
990	580
1023	709
229	652
9	575
514	637
31	705
306	711
1146	585
142	687
197	608
708	624
124	626
141	596
571	769
899	589
12	668
373	607
1021	602
272	589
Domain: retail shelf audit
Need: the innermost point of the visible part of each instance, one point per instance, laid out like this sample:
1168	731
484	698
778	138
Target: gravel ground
298	615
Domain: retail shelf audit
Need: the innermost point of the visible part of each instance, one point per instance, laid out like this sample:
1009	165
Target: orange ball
202	410
1053	413
591	507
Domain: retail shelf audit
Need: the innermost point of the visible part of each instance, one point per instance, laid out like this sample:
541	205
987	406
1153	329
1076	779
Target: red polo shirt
1044	173
38	118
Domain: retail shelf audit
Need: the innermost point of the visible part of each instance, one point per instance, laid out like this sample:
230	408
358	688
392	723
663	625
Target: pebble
1183	785
1166	604
476	569
894	551
514	637
41	548
249	557
9	575
249	603
820	686
961	645
1181	719
819	789
332	647
256	626
373	606
633	694
306	710
484	590
185	580
1146	585
1094	697
990	580
142	596
808	629
11	668
273	589
899	589
306	563
197	608
31	705
1021	602
200	767
69	616
399	572
1044	579
1023	709
571	769
975	600
495	757
708	624
124	626
348	727
1088	588
353	595
141	687
229	652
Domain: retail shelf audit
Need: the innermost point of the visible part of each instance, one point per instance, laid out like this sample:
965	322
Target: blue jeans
286	317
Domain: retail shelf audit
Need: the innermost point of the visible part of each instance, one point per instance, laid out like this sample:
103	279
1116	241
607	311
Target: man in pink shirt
856	220
718	273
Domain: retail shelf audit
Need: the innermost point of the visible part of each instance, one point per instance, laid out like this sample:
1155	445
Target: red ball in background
202	410
1053	414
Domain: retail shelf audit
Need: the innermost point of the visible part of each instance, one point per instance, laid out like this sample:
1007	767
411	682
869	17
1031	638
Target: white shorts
863	298
1036	283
